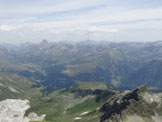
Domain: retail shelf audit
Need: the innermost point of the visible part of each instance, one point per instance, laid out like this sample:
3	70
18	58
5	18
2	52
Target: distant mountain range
57	65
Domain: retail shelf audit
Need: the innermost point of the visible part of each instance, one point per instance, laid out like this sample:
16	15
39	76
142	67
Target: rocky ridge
131	106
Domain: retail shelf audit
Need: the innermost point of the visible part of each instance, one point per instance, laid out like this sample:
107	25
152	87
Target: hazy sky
55	20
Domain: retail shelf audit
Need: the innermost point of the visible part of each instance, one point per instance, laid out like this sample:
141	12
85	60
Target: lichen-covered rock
13	110
34	117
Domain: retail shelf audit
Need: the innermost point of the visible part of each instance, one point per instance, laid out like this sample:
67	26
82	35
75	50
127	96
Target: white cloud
102	29
8	28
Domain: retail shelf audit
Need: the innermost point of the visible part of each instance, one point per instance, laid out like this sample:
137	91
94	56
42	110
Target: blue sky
77	20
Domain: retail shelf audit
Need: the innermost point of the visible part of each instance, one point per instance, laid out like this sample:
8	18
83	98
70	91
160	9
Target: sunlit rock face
34	117
13	110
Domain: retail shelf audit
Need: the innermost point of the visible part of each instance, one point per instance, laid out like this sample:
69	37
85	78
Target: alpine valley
87	81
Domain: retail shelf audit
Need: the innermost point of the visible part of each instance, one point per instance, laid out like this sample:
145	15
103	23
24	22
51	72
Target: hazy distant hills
149	74
60	64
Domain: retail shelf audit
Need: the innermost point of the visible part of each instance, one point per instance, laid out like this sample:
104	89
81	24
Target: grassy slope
64	106
18	87
57	109
59	106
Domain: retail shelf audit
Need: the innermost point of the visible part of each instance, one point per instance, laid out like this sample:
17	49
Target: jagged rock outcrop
120	102
34	117
132	106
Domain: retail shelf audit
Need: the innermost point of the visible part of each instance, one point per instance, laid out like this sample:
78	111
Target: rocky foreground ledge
13	110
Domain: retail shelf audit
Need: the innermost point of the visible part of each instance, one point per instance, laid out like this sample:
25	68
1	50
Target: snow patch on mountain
13	89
